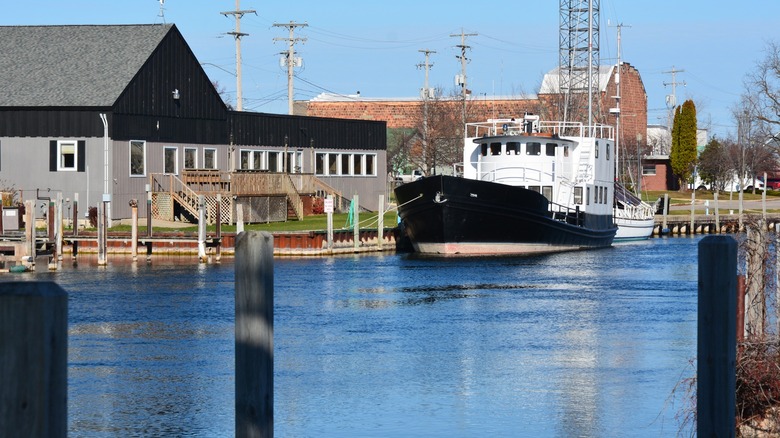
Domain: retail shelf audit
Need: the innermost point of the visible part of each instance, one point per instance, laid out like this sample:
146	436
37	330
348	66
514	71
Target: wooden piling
219	227
75	215
149	213
716	364
33	360
356	222
134	228
380	227
102	234
202	229
254	273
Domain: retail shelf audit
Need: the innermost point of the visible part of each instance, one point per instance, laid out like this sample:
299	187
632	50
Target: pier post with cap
254	325
33	359
717	344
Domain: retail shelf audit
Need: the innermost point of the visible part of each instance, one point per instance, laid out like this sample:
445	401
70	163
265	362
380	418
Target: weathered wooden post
101	234
755	296
202	229
717	213
148	212
239	218
219	227
51	221
254	273
75	214
716	364
356	222
134	229
380	228
692	230
329	212
29	230
666	212
33	359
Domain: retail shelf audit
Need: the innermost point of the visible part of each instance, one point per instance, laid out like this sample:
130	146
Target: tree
715	165
683	154
763	95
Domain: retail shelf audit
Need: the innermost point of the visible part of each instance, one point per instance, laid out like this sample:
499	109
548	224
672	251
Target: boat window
536	189
566	150
597	149
533	148
578	195
483	149
495	148
587	196
547	192
607	151
512	148
549	149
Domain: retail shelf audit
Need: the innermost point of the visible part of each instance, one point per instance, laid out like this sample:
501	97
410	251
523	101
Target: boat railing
510	175
493	127
564	213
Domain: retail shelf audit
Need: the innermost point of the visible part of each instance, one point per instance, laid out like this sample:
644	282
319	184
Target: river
587	344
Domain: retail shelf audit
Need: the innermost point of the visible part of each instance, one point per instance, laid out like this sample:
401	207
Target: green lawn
309	223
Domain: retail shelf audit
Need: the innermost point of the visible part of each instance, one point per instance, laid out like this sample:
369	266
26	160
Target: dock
678	225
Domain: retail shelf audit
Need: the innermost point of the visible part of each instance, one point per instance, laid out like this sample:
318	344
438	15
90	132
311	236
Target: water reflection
578	344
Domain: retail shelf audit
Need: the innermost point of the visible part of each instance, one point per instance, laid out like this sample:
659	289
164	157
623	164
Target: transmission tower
579	55
461	78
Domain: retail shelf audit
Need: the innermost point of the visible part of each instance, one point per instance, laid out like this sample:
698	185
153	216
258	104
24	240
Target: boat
527	187
634	217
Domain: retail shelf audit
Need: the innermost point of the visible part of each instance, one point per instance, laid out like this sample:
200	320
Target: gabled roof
72	66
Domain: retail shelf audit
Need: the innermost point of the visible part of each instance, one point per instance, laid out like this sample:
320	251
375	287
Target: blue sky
372	47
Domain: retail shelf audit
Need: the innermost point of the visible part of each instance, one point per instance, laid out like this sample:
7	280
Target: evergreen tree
683	154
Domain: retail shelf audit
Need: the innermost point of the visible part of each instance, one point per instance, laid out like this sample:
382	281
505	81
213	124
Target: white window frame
215	165
130	161
60	166
175	160
194	151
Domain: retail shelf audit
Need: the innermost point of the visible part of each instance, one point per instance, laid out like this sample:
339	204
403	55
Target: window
320	163
190	158
547	192
495	148
246	157
357	164
566	151
345	170
597	149
648	169
333	164
578	195
137	158
608	151
66	153
273	162
536	189
587	196
549	149
512	148
483	147
257	160
533	148
169	160
209	158
370	167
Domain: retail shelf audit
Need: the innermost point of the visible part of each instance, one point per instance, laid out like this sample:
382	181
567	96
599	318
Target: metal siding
58	122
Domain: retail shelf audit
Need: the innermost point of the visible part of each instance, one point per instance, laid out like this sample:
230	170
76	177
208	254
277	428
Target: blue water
587	344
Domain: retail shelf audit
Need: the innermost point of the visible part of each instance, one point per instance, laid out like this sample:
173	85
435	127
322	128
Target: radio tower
579	56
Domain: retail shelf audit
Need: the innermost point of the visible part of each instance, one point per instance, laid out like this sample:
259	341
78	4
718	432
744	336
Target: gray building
111	111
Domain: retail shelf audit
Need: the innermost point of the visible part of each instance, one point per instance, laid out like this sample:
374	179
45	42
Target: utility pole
616	111
426	93
671	99
290	59
237	34
461	79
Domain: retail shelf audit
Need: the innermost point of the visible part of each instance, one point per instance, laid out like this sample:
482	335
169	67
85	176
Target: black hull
450	215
